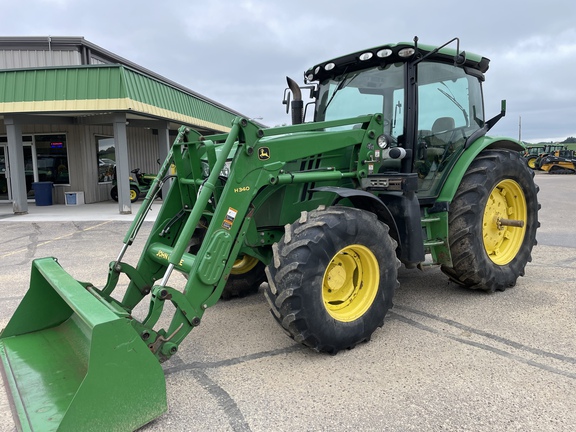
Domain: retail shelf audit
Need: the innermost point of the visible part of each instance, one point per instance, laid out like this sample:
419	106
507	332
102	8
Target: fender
363	200
455	177
408	234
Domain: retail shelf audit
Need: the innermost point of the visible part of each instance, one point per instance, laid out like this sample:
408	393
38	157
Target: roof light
317	69
329	66
406	52
383	53
310	77
366	56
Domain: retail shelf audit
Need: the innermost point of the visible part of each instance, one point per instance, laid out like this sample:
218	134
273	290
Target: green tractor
395	167
531	154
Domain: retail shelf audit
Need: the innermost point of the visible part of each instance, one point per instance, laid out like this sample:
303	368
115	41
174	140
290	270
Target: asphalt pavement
446	359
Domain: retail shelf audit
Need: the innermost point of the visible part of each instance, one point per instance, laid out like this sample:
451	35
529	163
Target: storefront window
106	154
52	158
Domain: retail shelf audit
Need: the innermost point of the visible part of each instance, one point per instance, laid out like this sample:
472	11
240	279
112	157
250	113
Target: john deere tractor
389	163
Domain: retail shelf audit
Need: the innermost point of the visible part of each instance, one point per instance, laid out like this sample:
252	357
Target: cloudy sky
238	52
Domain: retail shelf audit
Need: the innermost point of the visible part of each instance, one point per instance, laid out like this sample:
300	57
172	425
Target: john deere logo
263	153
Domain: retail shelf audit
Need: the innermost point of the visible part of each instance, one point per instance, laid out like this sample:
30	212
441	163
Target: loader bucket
71	362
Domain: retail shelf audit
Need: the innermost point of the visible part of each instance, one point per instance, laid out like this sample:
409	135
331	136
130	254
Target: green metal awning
106	88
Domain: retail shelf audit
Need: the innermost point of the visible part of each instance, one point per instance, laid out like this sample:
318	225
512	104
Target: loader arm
226	214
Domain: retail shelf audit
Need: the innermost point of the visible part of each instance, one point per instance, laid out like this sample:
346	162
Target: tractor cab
430	98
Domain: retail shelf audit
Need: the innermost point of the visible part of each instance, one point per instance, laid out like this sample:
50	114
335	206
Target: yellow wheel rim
506	202
244	264
350	283
133	195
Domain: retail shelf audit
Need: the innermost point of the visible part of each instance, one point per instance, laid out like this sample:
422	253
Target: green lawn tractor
395	166
140	184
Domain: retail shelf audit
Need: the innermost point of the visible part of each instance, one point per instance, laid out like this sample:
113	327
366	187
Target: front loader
396	167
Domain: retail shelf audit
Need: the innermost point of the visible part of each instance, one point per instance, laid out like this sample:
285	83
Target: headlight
226	170
383	142
224	173
366	56
406	52
205	169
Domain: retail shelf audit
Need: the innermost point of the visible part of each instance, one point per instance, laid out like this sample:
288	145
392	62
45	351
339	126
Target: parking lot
446	358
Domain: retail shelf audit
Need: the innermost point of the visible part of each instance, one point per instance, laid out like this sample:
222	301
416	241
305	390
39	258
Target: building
72	113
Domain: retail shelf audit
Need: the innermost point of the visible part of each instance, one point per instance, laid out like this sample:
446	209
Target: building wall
83	159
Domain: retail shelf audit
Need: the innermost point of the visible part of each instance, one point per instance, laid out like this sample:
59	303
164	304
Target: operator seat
441	133
443	124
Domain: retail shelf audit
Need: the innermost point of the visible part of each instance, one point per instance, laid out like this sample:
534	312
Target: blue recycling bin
42	193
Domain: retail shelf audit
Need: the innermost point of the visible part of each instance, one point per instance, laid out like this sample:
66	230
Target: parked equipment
559	162
139	184
531	154
536	162
396	167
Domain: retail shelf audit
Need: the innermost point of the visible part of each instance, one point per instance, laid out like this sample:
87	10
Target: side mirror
490	123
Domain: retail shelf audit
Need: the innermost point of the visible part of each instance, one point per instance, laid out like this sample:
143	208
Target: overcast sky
238	52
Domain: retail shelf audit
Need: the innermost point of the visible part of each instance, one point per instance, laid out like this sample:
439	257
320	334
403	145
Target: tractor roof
394	53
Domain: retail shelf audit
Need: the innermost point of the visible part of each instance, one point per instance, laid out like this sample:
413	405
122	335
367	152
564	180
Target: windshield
450	110
369	91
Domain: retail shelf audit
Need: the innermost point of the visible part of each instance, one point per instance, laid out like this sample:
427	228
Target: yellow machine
559	162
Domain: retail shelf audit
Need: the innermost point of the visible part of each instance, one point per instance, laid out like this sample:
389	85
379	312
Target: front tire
245	278
134	193
332	278
496	192
531	162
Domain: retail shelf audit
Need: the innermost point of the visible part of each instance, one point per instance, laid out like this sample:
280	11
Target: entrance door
4	175
30	169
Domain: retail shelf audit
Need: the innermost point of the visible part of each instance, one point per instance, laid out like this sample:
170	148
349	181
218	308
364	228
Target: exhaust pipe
297	104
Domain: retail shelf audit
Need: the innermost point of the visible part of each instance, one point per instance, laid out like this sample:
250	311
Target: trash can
42	193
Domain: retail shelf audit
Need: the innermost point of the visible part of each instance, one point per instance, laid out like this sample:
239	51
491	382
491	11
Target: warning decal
229	220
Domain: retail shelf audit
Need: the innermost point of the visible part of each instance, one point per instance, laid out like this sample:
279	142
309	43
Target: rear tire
134	193
332	278
487	255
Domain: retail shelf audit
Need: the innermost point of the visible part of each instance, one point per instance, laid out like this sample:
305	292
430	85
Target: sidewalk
107	210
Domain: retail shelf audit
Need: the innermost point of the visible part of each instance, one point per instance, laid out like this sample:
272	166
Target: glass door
30	170
4	175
